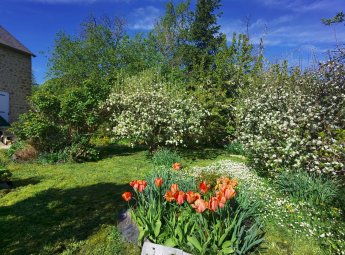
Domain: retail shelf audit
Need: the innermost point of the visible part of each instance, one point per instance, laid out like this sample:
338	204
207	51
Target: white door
4	105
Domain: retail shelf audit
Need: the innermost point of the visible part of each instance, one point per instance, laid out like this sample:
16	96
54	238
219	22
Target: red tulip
179	197
127	196
176	166
158	182
203	187
221	199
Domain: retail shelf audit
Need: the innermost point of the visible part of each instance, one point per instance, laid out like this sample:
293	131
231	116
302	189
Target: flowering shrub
296	122
170	208
155	115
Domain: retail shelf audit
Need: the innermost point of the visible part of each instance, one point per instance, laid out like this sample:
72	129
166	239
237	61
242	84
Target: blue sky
291	29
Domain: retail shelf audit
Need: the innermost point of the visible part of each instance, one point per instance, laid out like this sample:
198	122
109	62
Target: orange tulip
234	183
174	188
203	187
158	182
191	196
200	205
213	204
229	192
169	196
127	196
176	166
138	185
179	197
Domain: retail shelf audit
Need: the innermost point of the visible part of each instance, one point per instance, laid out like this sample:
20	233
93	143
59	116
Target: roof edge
17	50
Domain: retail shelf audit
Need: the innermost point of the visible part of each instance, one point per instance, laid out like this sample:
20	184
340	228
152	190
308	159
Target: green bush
17	146
306	187
234	148
165	157
79	151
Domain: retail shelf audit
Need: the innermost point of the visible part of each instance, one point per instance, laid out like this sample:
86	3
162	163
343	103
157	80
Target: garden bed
200	215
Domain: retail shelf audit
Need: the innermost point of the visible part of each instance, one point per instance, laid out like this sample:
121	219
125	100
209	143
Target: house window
4	105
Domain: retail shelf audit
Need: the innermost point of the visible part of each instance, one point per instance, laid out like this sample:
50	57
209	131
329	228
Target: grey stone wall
15	78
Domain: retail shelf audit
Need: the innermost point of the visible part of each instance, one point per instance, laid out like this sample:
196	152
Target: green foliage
65	111
17	146
165	157
306	187
170	34
235	148
338	18
204	37
218	88
53	157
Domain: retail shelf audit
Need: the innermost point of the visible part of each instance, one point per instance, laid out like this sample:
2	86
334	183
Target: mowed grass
72	208
55	207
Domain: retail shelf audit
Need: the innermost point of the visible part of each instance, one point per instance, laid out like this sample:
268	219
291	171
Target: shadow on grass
118	150
17	183
55	217
202	153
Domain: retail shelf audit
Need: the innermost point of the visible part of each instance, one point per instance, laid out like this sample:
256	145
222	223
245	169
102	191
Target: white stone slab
156	249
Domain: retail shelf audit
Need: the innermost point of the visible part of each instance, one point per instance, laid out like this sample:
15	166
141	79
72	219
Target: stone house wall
16	79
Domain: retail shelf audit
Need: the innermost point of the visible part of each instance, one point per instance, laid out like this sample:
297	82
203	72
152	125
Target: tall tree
205	30
172	30
338	18
205	37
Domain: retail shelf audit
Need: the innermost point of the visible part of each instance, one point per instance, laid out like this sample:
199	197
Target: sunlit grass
72	208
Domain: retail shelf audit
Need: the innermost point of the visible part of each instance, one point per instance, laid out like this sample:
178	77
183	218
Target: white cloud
144	18
305	6
289	32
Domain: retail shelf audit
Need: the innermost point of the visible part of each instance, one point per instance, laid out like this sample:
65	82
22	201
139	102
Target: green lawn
74	207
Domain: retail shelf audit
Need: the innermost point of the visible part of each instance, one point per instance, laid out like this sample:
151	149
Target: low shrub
306	187
165	157
234	148
18	145
77	152
172	209
53	157
81	150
